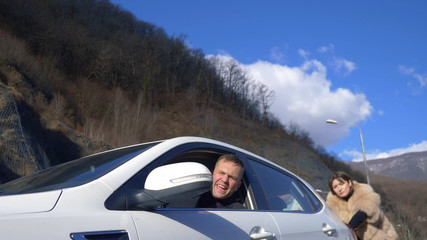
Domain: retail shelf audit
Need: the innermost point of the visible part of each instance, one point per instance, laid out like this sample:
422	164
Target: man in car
227	178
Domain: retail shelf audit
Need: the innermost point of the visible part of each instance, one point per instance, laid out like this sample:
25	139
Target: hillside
410	166
79	77
53	140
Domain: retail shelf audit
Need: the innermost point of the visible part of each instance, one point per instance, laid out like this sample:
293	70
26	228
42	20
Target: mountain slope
411	166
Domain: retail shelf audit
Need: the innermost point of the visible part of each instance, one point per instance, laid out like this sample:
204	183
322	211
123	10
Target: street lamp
331	121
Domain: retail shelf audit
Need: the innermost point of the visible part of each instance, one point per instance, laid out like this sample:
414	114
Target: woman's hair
340	176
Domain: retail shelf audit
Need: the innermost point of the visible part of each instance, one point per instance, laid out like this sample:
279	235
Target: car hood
29	203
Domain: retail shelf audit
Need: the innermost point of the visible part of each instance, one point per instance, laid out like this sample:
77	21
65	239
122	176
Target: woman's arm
357	219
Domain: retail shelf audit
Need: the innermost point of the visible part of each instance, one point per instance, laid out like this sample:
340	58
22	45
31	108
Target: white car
149	191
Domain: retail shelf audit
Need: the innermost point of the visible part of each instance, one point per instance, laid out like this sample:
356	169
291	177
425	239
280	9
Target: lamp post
331	121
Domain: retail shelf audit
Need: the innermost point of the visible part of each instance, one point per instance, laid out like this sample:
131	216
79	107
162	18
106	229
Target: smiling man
227	178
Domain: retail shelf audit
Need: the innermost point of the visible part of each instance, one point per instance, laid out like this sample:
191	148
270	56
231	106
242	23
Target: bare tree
117	107
235	80
266	97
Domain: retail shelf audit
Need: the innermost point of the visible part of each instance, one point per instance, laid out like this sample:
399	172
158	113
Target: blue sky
362	63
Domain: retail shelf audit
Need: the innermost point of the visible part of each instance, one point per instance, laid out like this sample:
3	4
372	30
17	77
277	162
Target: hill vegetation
86	75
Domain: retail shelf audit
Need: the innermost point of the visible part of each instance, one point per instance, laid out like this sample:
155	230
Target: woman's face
341	188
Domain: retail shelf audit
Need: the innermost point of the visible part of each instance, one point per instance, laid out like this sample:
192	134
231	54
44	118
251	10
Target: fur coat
376	226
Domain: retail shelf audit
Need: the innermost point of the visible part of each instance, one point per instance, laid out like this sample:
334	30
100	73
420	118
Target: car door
204	224
183	220
308	220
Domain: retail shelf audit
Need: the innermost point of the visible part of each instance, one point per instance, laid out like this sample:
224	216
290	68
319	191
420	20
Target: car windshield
73	173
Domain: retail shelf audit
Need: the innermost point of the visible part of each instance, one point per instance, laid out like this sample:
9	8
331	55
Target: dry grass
405	204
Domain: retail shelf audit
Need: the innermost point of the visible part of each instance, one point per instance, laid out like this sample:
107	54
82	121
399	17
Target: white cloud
304	95
337	63
304	54
276	54
421	78
358	156
222	52
341	64
406	70
323	49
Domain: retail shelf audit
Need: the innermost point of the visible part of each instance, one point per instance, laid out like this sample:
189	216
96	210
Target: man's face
226	179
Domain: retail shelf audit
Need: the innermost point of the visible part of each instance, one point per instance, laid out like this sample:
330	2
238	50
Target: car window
73	173
205	154
282	191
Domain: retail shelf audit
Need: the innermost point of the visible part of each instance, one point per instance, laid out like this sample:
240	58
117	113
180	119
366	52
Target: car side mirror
169	183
